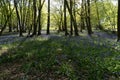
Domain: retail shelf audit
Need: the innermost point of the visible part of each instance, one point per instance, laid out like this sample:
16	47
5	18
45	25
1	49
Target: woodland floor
56	57
6	39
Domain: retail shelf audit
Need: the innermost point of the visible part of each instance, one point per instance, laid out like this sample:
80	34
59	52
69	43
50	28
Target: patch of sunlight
83	34
42	38
3	50
59	51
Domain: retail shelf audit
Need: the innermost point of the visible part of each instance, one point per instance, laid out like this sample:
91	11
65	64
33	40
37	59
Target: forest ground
56	57
6	39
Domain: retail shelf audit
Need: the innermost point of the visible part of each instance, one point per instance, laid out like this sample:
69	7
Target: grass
60	58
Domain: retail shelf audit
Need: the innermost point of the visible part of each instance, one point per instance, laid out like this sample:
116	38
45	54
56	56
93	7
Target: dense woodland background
60	39
71	16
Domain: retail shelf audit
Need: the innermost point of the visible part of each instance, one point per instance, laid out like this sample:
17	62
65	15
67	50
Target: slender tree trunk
34	18
74	21
86	14
28	18
18	17
65	19
71	22
48	22
88	19
82	26
10	19
24	16
4	26
74	13
61	19
39	18
118	21
10	27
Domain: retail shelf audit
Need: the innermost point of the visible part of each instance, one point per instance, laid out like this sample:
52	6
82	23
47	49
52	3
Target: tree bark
48	22
18	17
65	19
88	19
39	18
82	24
71	22
118	22
74	21
34	18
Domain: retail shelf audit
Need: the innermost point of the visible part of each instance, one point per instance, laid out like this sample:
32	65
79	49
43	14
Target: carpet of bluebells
60	58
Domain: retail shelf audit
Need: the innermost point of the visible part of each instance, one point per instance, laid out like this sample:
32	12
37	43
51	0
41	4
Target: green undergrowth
60	58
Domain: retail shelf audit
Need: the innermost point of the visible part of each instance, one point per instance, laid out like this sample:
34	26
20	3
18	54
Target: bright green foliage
107	13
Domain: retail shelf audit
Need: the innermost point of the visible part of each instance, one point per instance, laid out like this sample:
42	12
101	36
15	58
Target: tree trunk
34	18
48	22
71	22
74	21
88	19
10	27
61	19
18	17
118	21
10	19
82	24
39	18
65	19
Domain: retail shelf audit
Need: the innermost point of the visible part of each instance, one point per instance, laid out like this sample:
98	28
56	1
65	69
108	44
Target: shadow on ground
60	58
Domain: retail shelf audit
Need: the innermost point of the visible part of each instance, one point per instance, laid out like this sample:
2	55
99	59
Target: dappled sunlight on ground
61	58
62	55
